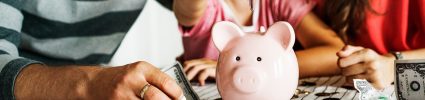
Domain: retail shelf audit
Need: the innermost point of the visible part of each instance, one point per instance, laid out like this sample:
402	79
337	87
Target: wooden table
322	84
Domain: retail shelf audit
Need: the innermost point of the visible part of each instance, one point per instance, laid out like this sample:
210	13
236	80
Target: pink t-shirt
197	41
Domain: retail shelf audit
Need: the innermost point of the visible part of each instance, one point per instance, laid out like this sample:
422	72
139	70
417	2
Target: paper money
410	79
367	92
176	72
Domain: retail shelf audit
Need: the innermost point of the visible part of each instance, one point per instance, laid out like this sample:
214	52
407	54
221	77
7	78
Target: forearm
410	54
318	61
321	44
38	81
189	12
414	54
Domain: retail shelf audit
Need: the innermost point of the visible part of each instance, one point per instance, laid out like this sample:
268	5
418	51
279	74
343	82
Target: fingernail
182	97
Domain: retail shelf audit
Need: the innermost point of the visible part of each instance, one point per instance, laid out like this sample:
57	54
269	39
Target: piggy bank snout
247	80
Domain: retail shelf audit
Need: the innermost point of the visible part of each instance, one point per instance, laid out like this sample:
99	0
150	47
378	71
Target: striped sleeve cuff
10	62
8	76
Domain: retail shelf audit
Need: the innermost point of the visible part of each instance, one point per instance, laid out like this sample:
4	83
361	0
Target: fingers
379	85
153	93
166	84
196	70
192	63
360	56
354	69
362	63
204	74
161	81
348	50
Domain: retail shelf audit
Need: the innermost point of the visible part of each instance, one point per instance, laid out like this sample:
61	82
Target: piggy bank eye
238	58
258	58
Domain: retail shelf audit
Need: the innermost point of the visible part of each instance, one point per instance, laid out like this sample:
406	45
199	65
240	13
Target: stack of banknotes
176	71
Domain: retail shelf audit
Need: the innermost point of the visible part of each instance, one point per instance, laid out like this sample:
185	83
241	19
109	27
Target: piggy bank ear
223	32
283	33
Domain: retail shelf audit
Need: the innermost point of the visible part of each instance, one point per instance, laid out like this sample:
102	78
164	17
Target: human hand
127	83
202	68
363	63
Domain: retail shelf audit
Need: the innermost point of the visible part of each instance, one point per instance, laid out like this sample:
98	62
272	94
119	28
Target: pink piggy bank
256	66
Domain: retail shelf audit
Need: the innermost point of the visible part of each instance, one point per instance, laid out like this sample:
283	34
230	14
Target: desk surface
323	84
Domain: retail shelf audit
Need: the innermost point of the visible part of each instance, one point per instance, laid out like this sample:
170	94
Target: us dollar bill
367	92
410	79
176	72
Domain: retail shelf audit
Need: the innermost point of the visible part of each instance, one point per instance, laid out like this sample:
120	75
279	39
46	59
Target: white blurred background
154	37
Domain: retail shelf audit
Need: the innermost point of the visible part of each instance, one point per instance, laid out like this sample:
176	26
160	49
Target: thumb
348	50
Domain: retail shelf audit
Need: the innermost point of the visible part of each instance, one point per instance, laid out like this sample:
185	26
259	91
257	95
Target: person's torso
397	26
75	31
265	13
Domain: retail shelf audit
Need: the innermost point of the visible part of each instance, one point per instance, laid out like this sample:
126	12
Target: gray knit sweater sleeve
10	62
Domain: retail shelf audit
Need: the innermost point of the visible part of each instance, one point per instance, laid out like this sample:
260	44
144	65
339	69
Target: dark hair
346	17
